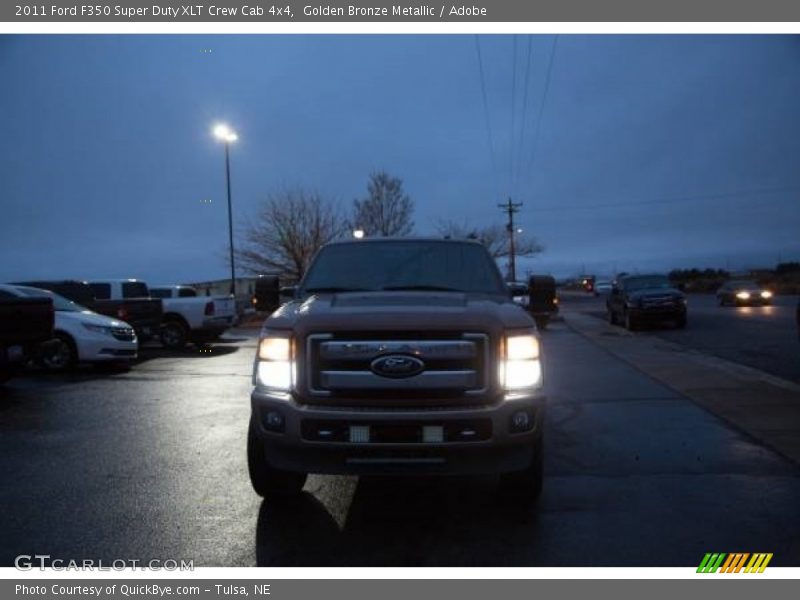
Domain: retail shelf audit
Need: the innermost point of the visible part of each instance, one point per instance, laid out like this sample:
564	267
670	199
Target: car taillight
122	313
209	308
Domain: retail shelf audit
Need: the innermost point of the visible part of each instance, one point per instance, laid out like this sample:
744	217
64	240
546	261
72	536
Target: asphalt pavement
762	337
150	463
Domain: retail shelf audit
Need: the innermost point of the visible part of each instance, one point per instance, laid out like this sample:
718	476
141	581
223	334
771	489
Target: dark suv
398	356
638	299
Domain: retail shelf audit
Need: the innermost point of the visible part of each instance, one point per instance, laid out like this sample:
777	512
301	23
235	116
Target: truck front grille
449	369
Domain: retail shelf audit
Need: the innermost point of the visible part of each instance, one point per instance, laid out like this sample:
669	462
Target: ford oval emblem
397	366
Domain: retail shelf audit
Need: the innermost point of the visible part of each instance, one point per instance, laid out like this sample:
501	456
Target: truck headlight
275	363
766	294
520	367
743	295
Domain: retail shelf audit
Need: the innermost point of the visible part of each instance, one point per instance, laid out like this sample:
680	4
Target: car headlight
275	367
766	294
520	366
743	295
98	328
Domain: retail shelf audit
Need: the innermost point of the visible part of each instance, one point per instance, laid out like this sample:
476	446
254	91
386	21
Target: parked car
127	300
25	323
743	293
637	299
398	356
80	335
189	317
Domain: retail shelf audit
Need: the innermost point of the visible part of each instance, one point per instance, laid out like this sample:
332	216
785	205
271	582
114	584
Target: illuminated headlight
766	294
520	367
743	295
275	365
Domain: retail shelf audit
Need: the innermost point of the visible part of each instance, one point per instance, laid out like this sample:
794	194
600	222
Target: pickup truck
638	299
25	323
128	300
124	299
398	356
189	317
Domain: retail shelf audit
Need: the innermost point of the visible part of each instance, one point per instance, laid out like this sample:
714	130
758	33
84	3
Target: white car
82	335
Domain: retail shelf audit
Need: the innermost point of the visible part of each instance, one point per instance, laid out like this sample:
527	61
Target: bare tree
494	237
387	209
290	227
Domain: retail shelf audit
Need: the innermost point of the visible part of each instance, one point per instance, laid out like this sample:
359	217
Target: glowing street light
358	233
227	135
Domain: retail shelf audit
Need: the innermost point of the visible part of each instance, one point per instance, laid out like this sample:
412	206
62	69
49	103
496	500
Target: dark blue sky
652	151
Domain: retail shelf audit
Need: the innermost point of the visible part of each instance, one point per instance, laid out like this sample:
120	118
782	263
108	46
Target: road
150	463
762	337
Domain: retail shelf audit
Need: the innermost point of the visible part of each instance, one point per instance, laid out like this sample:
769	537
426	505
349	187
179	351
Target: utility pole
510	208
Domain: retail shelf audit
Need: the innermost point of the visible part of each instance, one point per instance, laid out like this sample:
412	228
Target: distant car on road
636	299
743	293
603	287
189	317
81	335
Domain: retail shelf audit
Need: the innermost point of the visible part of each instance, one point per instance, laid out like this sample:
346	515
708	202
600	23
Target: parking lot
150	463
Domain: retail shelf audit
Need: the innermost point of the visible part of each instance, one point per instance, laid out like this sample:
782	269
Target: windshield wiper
420	288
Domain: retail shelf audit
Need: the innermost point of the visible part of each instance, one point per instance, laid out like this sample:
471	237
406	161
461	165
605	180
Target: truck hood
400	311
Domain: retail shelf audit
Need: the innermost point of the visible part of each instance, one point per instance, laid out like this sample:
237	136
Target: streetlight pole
230	214
227	136
510	208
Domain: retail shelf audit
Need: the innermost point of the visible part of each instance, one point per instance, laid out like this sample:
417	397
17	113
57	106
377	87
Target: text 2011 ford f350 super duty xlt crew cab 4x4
402	356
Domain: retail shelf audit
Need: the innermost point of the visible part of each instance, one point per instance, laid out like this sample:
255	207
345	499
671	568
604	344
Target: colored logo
734	563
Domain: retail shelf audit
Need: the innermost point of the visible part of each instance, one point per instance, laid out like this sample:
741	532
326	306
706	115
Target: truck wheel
630	322
680	322
268	482
5	375
541	322
61	355
174	335
612	319
526	486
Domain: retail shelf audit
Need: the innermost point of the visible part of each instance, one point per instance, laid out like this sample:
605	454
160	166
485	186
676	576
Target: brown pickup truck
403	356
25	323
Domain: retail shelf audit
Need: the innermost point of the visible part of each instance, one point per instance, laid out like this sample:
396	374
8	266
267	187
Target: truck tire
680	322
541	322
5	375
174	334
267	481
526	486
62	355
630	323
612	319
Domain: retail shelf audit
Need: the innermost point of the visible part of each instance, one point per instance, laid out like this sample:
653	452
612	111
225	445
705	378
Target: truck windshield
403	265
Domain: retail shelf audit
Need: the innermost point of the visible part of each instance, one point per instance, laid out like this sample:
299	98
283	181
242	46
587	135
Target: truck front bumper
316	439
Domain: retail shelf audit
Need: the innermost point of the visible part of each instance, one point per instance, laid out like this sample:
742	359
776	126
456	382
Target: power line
513	112
515	182
672	199
486	112
542	105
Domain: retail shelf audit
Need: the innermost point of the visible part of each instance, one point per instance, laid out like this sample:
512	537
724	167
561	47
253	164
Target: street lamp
358	233
227	135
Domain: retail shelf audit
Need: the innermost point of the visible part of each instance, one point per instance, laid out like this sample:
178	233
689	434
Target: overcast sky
640	152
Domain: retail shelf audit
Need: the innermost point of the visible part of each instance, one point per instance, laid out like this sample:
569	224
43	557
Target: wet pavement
150	463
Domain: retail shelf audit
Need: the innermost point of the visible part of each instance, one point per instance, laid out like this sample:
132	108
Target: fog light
273	421
520	421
